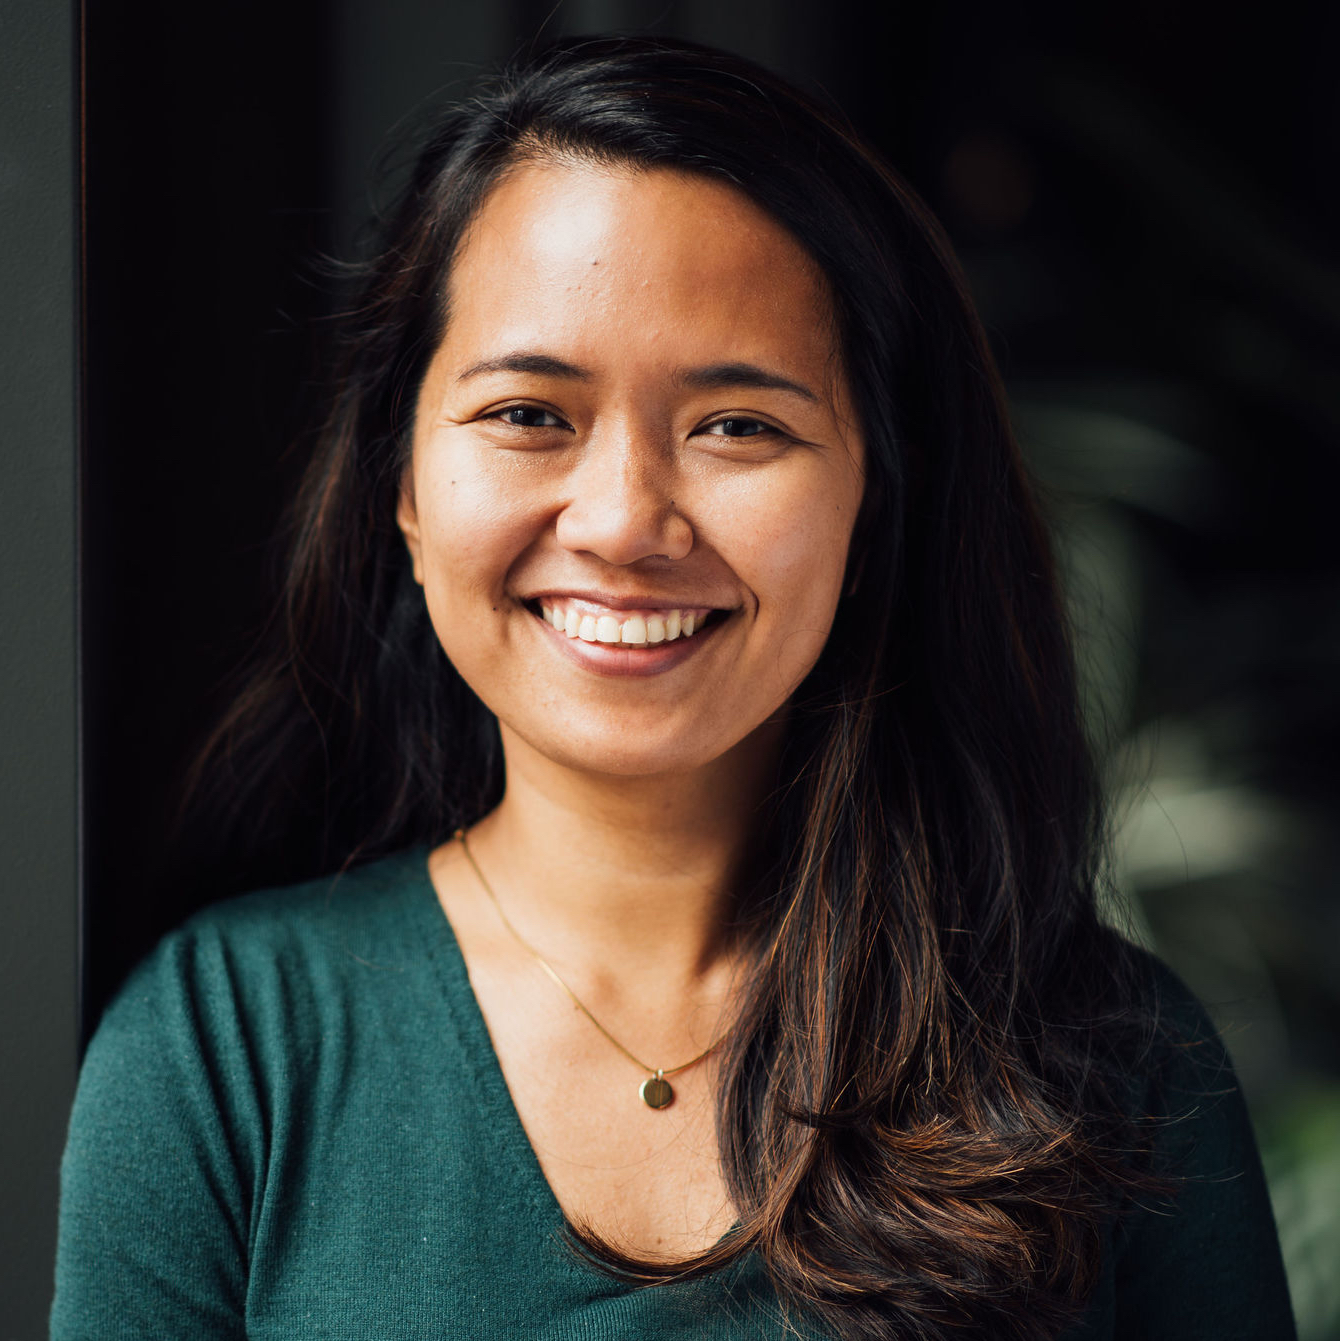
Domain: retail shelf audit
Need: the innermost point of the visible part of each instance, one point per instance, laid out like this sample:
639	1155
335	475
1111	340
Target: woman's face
635	467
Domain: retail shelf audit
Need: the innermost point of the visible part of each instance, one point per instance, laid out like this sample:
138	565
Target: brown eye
529	416
740	428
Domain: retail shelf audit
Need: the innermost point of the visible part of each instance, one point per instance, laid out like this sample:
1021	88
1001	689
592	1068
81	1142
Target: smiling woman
633	430
705	897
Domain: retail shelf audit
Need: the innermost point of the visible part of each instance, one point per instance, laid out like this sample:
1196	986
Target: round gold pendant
656	1092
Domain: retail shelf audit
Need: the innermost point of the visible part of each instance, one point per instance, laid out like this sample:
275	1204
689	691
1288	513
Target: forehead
641	258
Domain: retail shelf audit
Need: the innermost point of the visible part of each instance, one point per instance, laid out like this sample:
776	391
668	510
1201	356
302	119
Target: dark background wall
1145	197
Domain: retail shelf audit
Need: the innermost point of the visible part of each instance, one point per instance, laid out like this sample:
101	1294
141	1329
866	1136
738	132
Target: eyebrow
542	365
721	376
713	377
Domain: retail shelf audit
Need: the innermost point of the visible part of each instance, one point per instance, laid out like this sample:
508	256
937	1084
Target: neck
618	873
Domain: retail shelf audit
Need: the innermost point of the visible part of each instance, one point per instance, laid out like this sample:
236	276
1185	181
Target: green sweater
292	1123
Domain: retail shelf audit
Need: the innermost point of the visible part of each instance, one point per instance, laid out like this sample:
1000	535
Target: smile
621	639
637	628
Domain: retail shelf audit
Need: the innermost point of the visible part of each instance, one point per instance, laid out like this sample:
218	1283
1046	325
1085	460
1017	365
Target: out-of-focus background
1145	198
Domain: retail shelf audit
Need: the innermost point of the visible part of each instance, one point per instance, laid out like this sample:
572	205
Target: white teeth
635	631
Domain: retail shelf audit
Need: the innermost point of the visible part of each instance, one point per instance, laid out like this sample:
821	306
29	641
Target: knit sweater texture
291	1123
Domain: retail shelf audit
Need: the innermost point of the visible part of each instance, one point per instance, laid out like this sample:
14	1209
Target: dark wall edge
38	641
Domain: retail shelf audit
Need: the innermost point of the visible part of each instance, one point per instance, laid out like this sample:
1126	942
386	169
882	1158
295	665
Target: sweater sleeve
1204	1262
160	1161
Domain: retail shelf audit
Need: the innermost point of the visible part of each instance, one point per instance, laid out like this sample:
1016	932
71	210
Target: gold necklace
656	1091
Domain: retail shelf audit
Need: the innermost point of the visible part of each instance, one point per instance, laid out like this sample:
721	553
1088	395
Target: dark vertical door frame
38	641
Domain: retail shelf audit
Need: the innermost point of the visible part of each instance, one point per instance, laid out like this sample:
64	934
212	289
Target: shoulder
360	901
1181	1088
1185	1082
1205	1247
360	909
197	1094
271	962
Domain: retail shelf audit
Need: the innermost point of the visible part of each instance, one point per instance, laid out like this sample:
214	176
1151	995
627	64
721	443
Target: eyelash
501	414
762	428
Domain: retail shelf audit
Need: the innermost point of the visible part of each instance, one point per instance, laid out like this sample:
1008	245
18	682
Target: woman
667	597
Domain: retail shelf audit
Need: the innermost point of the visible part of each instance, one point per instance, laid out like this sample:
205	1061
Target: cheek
805	583
793	540
793	556
470	534
469	546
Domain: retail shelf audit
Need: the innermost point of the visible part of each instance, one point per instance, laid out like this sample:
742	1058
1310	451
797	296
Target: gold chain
657	1071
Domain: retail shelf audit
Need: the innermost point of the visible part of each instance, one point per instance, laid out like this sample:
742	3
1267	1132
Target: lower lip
615	660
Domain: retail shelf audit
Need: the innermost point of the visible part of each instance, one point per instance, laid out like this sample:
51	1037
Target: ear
407	518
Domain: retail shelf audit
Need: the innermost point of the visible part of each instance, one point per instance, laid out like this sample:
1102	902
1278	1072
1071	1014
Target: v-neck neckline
476	1043
472	1032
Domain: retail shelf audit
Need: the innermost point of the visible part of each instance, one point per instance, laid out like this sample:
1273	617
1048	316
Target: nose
620	505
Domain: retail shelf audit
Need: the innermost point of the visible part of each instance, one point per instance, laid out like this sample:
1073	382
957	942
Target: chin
618	759
628	752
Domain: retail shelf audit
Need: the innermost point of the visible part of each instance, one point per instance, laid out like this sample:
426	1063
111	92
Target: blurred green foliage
1167	339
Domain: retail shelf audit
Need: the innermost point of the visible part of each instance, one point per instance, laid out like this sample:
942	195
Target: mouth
588	621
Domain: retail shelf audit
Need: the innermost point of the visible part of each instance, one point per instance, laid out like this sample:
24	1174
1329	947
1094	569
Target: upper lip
613	602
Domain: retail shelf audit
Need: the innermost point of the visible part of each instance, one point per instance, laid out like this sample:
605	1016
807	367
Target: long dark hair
922	1121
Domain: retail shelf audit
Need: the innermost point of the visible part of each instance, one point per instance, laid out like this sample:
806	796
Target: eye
737	426
527	416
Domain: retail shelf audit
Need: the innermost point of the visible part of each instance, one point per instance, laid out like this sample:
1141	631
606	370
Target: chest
402	1194
647	1180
